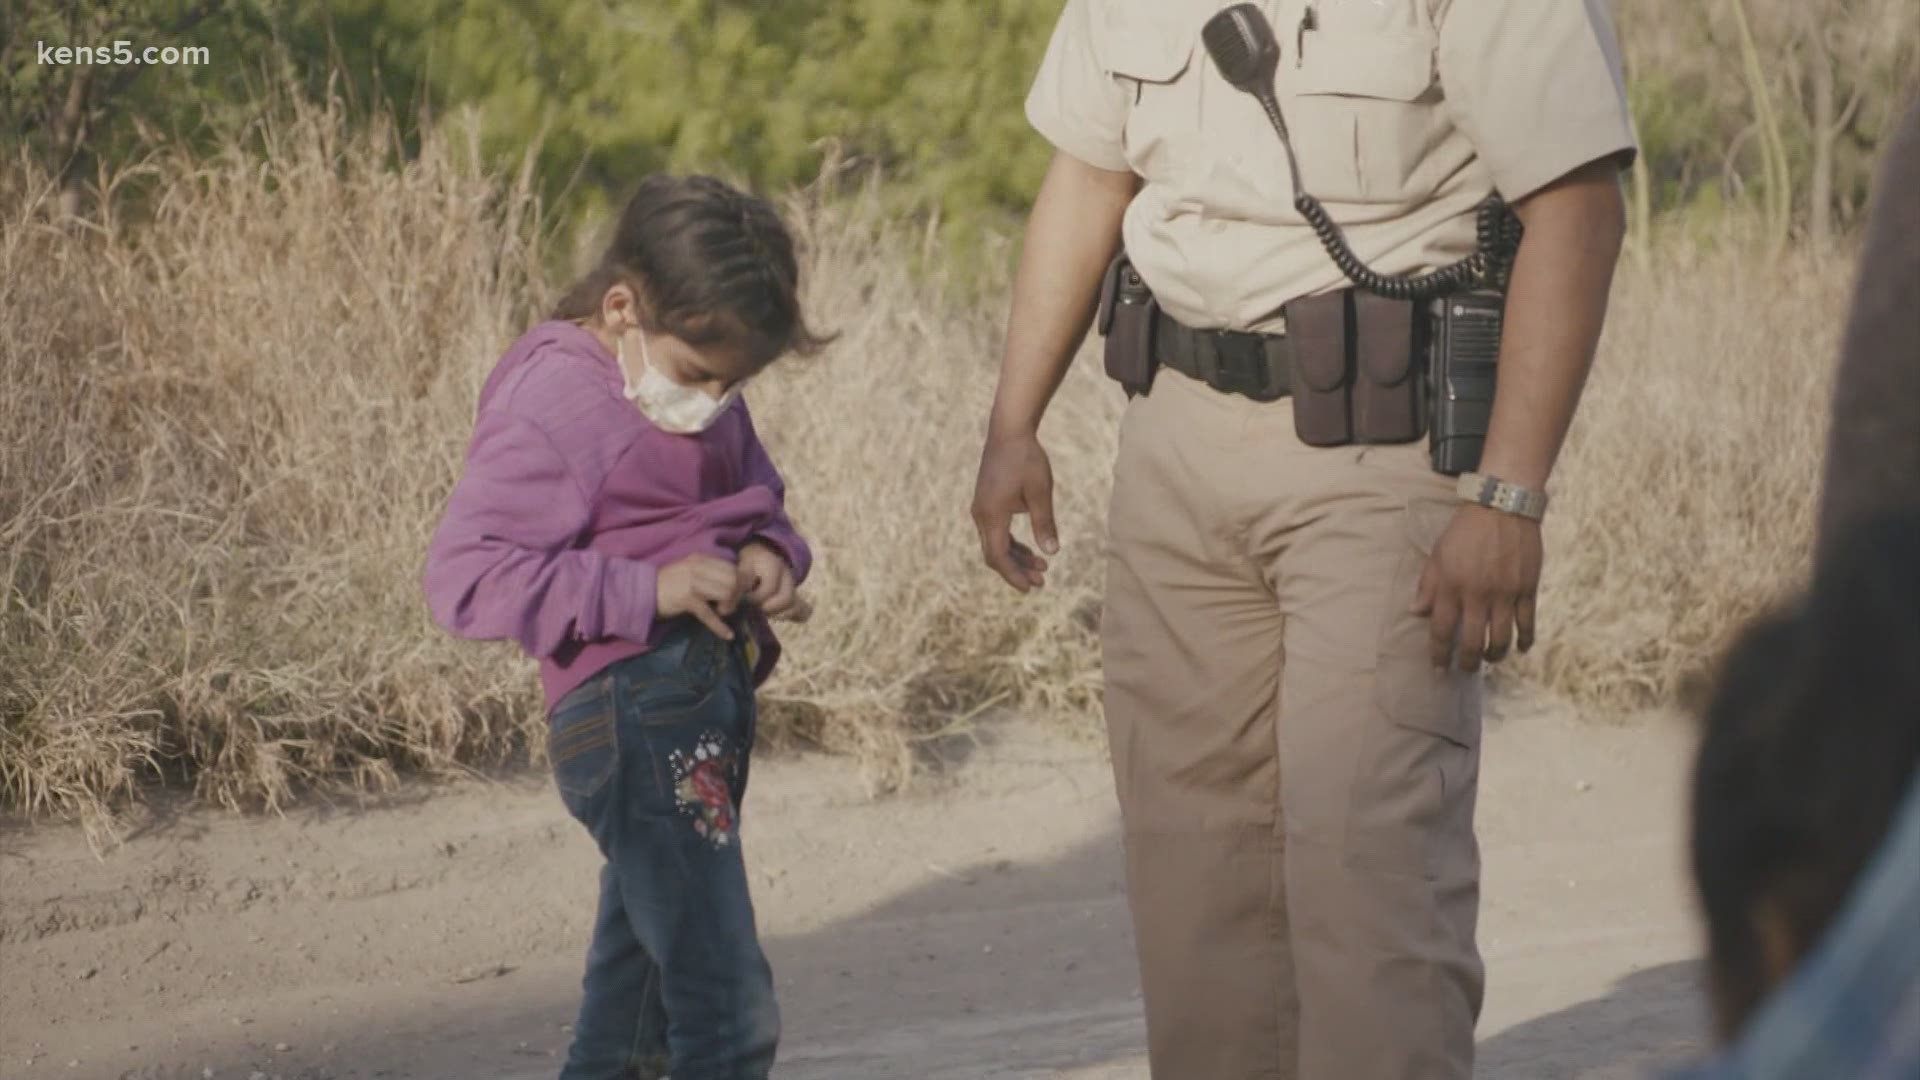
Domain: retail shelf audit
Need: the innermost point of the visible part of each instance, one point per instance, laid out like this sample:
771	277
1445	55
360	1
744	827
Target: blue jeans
651	756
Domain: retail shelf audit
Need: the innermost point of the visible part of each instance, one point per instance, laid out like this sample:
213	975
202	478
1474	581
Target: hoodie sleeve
779	531
503	563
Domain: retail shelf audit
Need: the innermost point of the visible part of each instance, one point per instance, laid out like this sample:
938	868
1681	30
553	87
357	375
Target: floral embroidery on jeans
703	788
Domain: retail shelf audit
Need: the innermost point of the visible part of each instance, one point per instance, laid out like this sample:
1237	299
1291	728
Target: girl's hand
766	579
702	586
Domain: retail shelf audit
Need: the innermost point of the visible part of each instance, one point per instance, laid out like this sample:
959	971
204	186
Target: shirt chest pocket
1365	111
1153	59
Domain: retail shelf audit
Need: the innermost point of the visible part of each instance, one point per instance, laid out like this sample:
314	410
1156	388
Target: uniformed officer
1293	634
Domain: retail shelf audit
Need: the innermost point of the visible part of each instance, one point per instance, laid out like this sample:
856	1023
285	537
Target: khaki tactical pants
1296	779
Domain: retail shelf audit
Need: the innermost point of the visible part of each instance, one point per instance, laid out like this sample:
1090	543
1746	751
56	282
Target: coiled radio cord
1488	267
1497	228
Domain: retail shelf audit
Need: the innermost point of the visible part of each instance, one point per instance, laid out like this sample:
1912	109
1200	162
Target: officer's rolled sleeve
1536	86
1074	103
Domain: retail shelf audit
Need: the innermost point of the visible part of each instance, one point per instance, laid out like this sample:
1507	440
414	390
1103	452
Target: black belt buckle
1241	365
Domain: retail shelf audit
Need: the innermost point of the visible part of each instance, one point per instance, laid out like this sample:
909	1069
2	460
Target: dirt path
975	929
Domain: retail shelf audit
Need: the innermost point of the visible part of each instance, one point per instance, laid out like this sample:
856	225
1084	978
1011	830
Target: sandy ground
974	928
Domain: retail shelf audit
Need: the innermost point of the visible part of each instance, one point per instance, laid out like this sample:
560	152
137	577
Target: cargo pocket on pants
1413	809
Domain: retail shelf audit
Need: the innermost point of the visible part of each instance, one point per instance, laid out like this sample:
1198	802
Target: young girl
619	518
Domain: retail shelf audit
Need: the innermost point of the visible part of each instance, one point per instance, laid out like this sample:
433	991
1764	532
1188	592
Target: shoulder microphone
1244	49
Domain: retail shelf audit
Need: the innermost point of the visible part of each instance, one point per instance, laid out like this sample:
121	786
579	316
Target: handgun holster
1127	315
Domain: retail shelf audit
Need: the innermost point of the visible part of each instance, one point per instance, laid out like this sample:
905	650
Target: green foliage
1699	113
927	93
608	90
72	115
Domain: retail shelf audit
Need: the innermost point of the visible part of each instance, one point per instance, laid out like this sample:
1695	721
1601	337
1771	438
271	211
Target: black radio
1462	354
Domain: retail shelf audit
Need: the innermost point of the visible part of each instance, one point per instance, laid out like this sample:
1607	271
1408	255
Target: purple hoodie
571	502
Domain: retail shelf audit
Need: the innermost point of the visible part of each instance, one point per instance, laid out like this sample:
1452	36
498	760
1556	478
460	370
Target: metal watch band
1497	494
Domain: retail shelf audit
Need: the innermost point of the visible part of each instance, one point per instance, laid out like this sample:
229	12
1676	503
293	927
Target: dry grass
225	437
1686	491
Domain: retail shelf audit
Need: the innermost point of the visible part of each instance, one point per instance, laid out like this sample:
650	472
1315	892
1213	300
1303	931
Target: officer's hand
1481	580
1015	478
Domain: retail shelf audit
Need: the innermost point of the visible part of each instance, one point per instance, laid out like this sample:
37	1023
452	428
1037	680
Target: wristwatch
1497	494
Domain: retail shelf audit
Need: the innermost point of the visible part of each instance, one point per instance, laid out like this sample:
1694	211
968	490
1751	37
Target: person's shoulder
555	376
559	380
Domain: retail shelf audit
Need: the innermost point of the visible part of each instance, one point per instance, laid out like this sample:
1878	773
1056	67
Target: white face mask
681	410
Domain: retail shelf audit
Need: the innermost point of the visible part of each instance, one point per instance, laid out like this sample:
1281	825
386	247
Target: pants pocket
1415	794
1409	689
583	742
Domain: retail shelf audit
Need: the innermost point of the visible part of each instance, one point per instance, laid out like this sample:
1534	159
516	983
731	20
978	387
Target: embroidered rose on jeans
703	788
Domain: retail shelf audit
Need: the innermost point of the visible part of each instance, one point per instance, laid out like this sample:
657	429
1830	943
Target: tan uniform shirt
1404	115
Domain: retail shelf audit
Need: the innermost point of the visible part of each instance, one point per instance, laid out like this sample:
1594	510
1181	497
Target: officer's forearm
1556	302
1071	235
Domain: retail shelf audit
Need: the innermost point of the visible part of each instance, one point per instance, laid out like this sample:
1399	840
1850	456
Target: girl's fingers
722	590
721	579
705	613
768	588
780	597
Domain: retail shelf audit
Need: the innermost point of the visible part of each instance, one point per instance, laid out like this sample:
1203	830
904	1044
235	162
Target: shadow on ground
1652	1020
993	971
1002	971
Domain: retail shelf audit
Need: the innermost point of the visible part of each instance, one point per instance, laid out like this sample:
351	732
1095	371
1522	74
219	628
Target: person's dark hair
710	263
1812	739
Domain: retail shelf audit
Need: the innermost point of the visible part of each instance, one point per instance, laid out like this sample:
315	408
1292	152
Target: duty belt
1230	361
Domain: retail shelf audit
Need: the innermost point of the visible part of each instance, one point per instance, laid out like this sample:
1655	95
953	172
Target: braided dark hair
711	263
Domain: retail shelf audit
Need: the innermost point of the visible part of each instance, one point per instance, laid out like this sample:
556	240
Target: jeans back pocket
583	743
